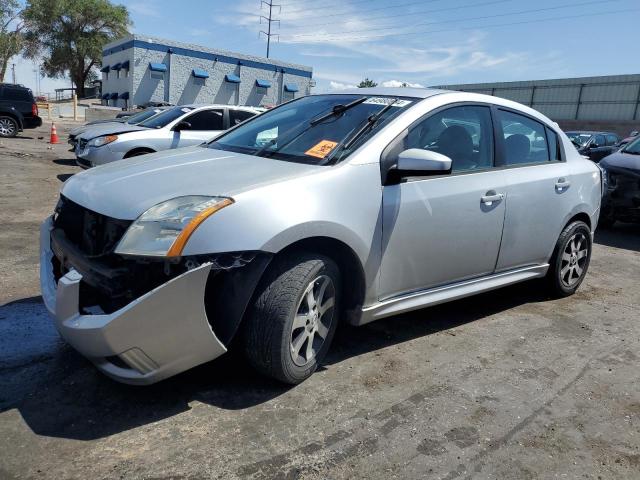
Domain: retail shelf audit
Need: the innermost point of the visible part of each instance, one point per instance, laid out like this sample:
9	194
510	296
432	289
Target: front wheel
570	261
291	323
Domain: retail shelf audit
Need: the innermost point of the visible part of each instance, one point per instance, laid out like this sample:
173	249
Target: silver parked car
102	127
175	127
335	207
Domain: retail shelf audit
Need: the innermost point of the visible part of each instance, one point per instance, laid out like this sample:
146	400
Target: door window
206	120
611	140
598	141
239	116
525	140
464	134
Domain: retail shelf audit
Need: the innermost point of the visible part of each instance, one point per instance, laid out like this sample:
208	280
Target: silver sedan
335	207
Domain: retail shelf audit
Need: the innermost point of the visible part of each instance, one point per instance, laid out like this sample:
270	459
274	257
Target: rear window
17	94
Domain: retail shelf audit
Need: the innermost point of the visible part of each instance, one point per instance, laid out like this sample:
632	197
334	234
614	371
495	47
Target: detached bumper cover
160	334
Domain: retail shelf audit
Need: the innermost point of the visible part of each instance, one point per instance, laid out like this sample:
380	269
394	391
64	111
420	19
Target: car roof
214	105
393	91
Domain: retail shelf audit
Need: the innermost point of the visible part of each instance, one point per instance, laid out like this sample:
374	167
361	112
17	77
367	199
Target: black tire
268	331
566	272
137	153
8	127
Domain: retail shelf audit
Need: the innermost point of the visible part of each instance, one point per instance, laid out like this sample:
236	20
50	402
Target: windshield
633	147
165	118
309	129
579	138
136	118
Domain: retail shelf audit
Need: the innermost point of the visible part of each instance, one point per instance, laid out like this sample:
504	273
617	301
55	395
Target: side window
525	140
17	94
611	140
554	146
206	120
598	141
239	116
464	134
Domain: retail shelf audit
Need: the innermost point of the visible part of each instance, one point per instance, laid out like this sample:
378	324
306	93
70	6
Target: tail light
34	109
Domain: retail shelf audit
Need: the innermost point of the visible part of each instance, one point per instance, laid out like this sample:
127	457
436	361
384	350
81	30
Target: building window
261	90
156	75
286	96
199	82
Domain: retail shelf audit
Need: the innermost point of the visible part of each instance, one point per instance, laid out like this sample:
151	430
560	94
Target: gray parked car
336	207
175	127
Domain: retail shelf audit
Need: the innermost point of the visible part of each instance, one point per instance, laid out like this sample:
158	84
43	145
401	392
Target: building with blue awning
152	69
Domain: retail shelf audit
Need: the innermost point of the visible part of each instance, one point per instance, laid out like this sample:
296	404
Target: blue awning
263	83
231	78
125	65
105	96
290	87
105	68
157	67
124	96
113	96
117	66
200	73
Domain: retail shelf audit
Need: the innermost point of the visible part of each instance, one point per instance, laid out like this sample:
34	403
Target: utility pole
13	71
269	20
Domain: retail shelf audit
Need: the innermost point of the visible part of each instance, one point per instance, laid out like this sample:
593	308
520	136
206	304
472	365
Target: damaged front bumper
163	332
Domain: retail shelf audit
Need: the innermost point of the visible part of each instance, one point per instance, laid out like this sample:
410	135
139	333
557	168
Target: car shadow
60	394
68	162
63	177
621	235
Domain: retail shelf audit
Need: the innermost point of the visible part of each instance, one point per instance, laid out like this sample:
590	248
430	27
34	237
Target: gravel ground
508	384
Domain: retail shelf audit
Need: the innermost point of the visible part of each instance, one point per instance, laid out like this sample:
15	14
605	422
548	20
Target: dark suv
595	145
18	110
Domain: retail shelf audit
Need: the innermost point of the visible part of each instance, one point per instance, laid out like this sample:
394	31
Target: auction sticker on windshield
386	101
321	149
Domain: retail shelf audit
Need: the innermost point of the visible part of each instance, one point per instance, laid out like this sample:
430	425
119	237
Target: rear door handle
490	197
561	184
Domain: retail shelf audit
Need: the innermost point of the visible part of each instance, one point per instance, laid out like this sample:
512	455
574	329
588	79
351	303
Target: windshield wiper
371	121
337	110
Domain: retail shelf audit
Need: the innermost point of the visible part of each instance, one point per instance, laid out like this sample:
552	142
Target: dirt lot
505	385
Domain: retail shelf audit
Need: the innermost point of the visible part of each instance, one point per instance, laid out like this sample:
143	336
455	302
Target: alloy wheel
312	321
7	127
574	259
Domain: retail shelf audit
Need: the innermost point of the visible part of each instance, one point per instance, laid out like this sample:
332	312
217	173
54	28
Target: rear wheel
571	259
291	324
8	127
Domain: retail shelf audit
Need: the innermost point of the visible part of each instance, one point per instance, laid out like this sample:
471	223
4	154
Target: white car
177	127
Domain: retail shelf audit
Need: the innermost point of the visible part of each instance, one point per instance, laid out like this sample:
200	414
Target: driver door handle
490	197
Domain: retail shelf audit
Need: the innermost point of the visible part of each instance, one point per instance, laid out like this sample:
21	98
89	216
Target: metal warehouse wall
607	98
178	85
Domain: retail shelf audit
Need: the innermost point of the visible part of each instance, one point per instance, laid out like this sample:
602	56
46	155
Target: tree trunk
3	70
78	79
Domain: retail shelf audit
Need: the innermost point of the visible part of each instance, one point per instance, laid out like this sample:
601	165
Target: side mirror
425	162
182	126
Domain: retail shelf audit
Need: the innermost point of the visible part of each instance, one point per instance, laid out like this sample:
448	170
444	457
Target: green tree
70	34
11	27
366	83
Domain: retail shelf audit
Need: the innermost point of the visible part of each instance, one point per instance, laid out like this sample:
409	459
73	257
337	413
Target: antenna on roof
269	20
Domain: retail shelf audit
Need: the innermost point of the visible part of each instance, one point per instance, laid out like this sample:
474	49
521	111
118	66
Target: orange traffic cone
54	134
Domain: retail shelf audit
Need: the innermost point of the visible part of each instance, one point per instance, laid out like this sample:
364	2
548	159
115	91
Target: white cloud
340	86
398	83
143	8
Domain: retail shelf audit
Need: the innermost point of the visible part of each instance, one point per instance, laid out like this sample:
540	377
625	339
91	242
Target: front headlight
100	141
164	229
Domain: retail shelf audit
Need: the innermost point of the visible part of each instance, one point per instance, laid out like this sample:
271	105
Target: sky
421	43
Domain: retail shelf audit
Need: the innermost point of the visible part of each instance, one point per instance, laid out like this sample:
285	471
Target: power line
524	22
410	14
483	17
342	4
269	21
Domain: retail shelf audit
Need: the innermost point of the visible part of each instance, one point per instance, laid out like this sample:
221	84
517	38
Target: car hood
127	188
112	123
622	160
109	129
